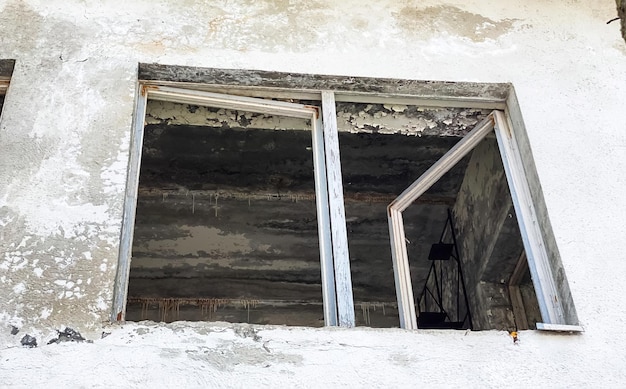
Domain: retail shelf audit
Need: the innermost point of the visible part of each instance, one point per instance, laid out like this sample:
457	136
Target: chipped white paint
19	288
65	130
101	303
384	119
45	313
175	113
112	182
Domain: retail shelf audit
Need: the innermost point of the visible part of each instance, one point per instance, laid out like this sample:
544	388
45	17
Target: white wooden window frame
549	301
334	256
338	304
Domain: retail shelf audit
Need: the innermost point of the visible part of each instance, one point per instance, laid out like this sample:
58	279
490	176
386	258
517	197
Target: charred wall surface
226	209
227	205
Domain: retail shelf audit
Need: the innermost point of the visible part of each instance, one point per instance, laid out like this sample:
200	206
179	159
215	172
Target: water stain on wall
429	21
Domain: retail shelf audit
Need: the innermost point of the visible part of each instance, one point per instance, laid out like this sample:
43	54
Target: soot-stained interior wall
226	224
489	238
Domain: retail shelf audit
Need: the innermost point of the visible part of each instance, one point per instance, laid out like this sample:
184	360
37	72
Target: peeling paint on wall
174	114
351	117
407	120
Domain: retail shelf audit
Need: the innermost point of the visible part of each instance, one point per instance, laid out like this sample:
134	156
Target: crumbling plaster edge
45	337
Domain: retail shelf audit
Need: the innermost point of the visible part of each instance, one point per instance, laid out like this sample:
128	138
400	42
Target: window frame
338	304
330	89
548	298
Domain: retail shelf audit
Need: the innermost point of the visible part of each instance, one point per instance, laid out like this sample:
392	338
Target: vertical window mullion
341	256
323	224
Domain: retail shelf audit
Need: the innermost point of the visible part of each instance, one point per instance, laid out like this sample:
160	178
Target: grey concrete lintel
346	88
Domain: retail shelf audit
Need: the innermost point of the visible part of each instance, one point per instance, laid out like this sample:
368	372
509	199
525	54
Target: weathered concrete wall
66	122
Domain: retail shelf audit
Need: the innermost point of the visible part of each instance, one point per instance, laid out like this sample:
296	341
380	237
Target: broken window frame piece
337	296
549	300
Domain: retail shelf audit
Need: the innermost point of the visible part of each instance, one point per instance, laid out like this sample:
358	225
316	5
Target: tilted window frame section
253	88
548	298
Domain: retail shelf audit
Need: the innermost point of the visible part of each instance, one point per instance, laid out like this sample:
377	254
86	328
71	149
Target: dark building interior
226	226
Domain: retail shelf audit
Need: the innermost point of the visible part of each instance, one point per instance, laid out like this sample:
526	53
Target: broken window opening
383	149
378	162
323	205
226	226
480	214
491	284
470	265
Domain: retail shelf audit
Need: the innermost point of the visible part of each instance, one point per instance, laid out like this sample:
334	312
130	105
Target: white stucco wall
65	131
